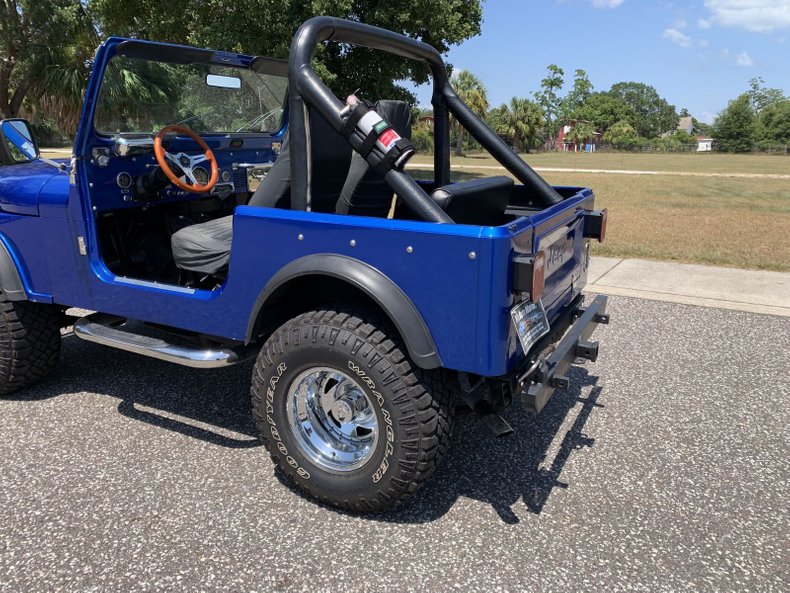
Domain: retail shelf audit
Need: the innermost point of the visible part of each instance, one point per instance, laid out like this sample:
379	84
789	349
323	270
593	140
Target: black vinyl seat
479	201
365	193
205	247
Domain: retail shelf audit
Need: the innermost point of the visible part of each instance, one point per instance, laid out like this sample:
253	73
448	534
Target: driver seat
340	184
205	247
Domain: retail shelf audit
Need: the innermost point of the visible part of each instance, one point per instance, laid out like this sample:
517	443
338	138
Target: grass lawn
719	221
692	162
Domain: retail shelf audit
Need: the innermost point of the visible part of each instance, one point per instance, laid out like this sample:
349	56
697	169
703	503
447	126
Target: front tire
29	343
344	412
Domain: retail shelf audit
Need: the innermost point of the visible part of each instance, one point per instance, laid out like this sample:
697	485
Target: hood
20	185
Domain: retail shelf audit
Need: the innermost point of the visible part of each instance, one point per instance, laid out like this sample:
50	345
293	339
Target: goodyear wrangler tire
345	414
29	343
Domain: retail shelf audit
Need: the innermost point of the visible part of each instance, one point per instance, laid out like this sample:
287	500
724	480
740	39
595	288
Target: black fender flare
372	282
10	281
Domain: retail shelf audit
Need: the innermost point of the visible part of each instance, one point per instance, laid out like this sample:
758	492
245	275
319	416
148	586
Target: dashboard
120	167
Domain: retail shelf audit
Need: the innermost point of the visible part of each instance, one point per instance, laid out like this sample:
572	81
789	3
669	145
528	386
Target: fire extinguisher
392	150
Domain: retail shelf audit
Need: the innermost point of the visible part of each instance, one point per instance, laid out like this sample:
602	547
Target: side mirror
17	144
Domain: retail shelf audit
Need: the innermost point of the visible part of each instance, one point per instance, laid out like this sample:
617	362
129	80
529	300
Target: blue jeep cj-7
233	205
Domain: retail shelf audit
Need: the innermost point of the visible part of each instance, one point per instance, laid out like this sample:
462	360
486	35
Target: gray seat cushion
204	247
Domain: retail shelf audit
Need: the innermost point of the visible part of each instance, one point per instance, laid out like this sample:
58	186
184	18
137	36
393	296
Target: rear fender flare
370	281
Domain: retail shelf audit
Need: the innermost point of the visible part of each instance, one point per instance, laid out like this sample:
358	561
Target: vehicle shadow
525	466
213	406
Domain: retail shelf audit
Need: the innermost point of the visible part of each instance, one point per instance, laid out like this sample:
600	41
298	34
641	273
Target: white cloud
744	59
677	37
741	59
704	24
759	16
607	3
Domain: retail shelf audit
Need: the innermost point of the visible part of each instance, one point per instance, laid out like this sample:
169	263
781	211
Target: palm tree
521	122
63	70
580	132
472	92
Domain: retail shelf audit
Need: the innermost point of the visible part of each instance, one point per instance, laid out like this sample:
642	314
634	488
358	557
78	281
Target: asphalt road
663	468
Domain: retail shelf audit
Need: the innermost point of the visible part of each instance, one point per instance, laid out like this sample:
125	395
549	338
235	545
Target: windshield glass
141	96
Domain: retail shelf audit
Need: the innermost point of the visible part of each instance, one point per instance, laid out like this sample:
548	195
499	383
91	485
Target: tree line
47	46
629	115
47	49
626	114
758	118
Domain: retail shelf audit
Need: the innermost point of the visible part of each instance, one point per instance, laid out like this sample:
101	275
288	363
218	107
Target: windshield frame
184	55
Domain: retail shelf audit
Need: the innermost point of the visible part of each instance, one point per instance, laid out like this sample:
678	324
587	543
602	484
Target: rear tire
29	343
346	415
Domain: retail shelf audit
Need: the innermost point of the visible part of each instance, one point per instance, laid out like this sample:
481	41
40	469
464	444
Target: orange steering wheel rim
159	153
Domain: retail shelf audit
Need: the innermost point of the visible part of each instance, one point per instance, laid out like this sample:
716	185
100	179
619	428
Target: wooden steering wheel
186	162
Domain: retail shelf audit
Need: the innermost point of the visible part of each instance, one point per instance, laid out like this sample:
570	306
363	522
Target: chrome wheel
332	418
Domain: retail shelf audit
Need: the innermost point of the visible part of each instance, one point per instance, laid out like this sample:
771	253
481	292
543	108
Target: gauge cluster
121	181
125	174
201	175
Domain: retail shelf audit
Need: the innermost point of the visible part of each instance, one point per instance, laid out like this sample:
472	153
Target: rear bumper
546	371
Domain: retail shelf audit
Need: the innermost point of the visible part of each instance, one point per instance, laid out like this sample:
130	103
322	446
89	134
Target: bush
423	141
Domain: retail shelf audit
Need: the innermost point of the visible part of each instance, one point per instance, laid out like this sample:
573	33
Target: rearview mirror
17	144
223	82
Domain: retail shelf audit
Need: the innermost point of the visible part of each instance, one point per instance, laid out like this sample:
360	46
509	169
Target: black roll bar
307	89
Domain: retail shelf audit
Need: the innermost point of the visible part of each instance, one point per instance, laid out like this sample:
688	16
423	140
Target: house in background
566	145
704	144
686	124
425	122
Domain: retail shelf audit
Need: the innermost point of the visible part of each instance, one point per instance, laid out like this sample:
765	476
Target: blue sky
698	54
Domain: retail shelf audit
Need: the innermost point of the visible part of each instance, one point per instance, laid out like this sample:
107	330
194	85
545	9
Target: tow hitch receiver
549	373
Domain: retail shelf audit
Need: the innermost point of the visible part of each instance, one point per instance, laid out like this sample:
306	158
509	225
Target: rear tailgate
558	232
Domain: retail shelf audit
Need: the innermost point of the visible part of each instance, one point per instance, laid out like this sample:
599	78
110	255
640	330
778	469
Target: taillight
528	275
595	224
538	279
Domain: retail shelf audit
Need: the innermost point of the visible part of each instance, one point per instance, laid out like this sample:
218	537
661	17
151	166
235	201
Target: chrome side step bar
99	329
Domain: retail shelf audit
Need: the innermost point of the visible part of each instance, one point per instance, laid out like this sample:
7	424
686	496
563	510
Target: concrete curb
754	291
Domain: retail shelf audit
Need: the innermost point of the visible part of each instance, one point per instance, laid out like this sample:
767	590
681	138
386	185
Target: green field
692	162
721	221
